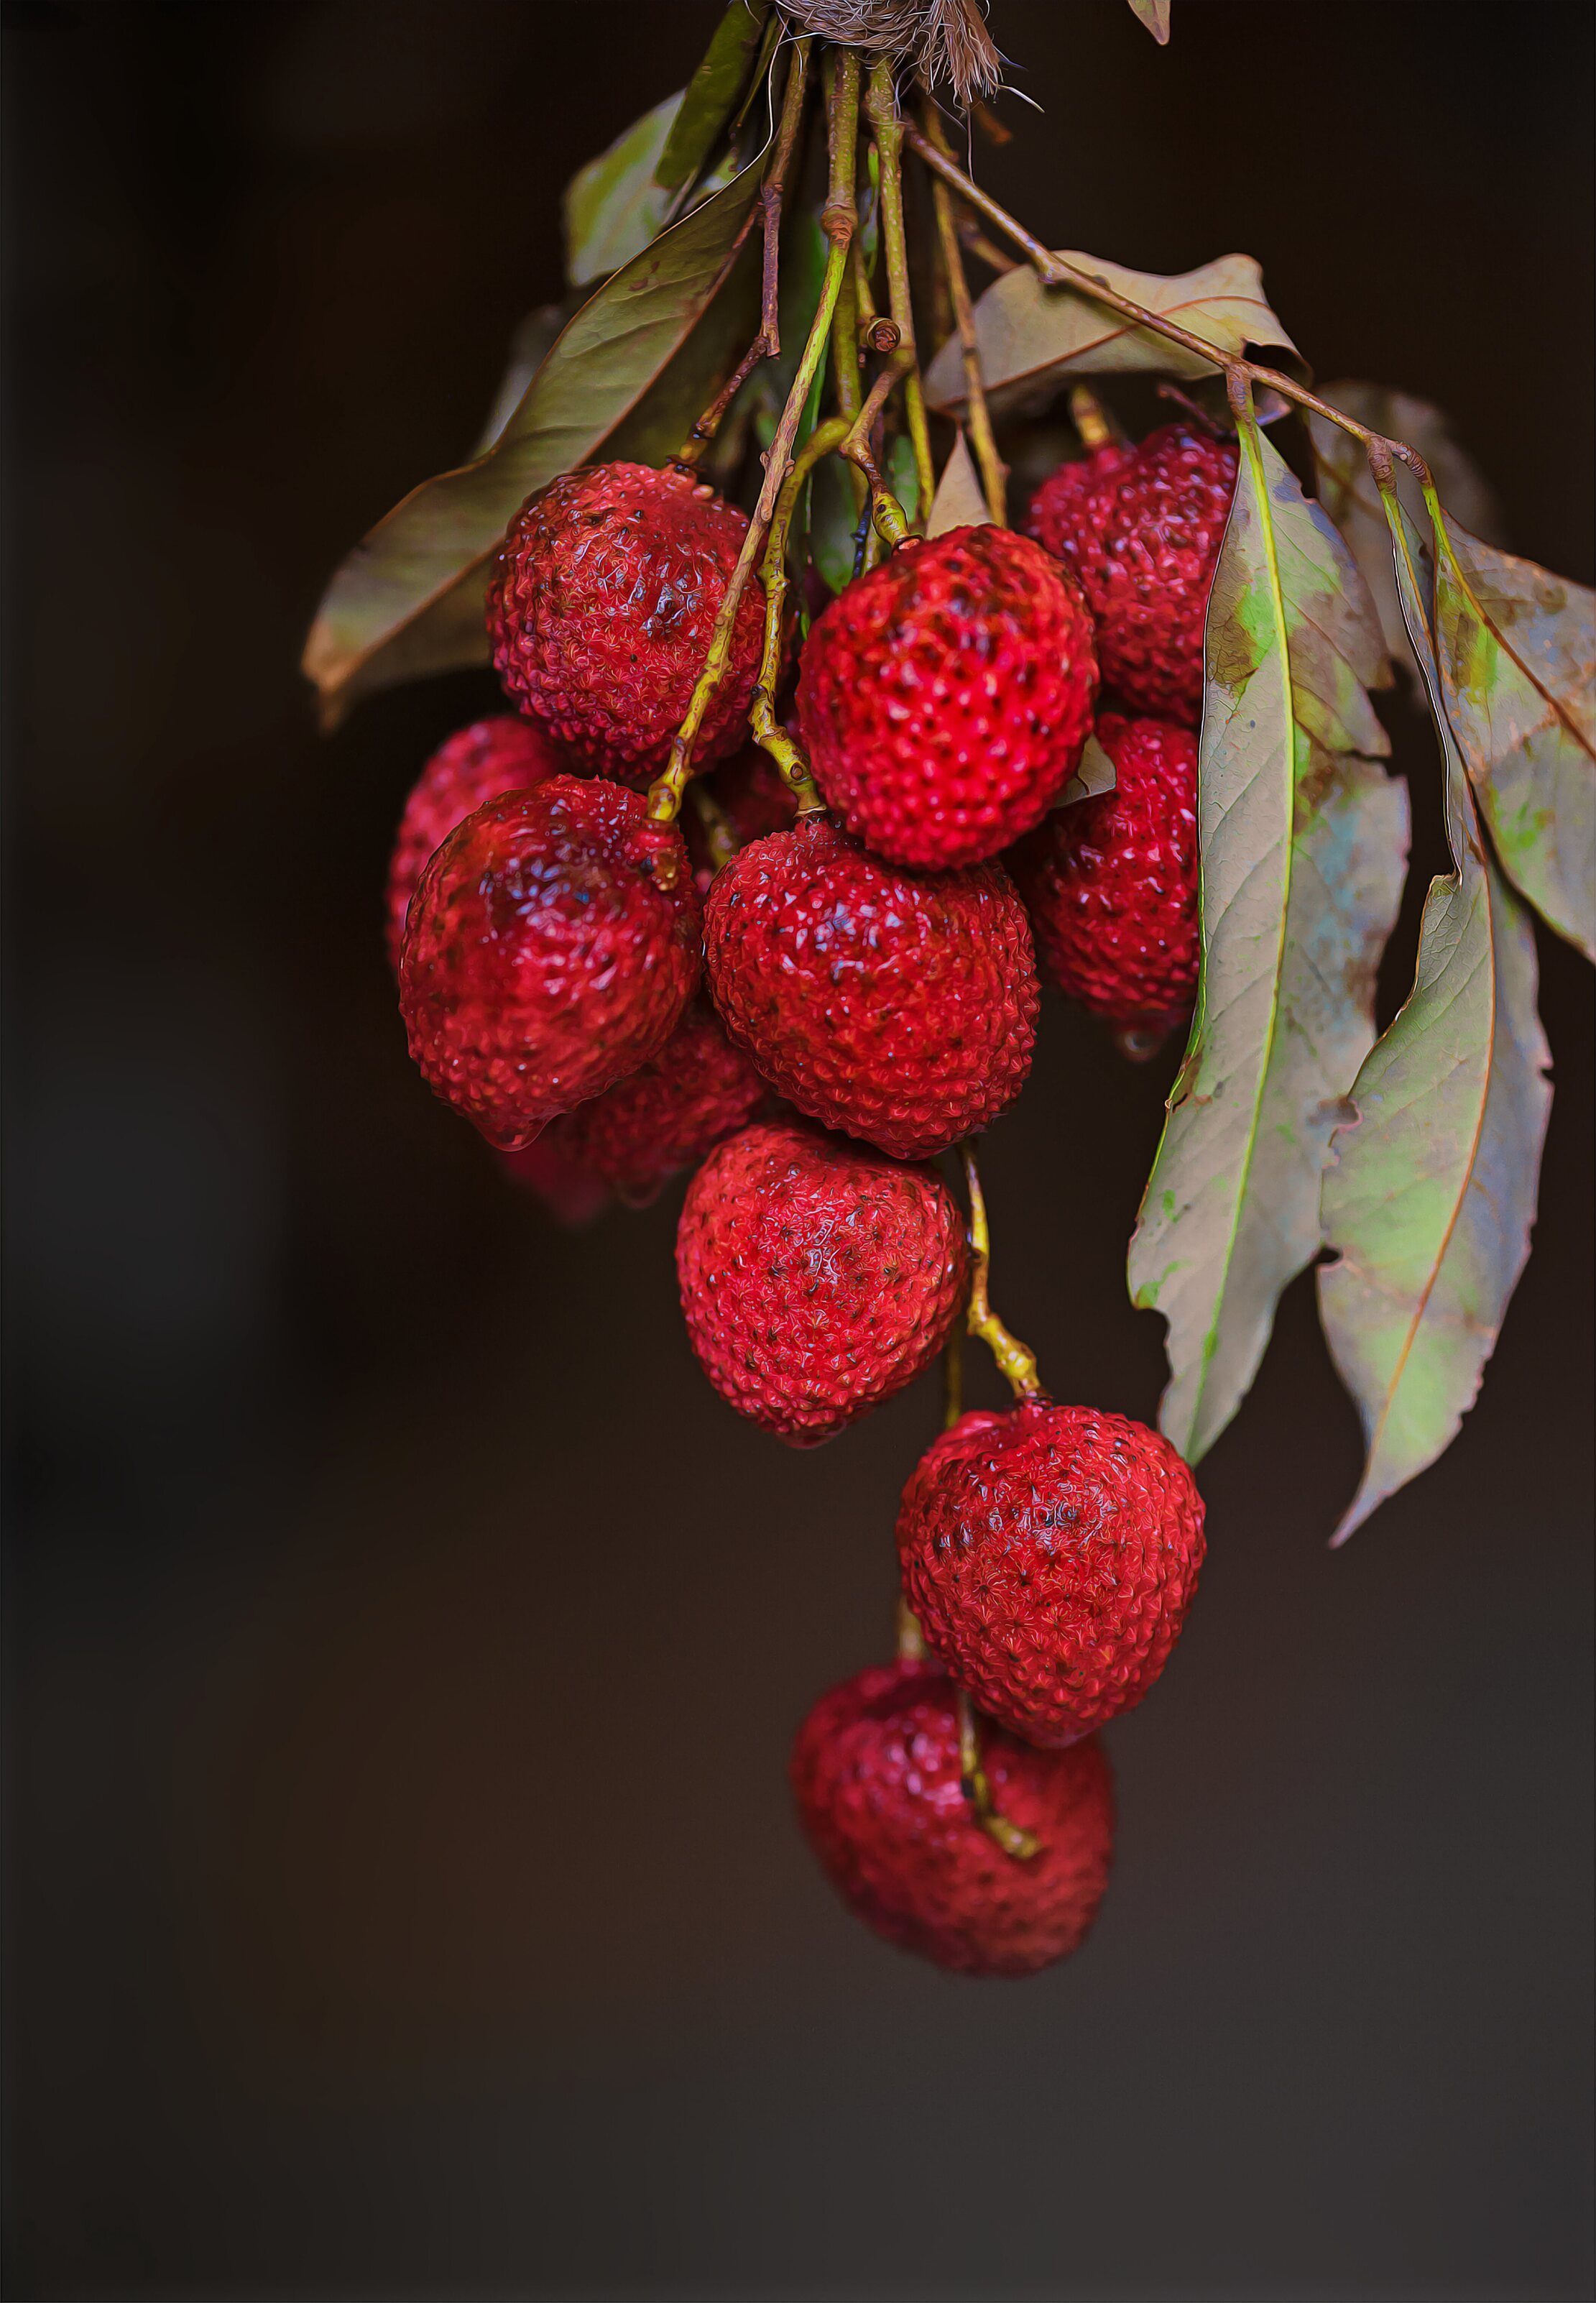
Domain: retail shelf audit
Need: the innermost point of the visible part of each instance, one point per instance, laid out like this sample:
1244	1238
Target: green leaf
833	521
1432	1192
1303	840
711	92
1516	651
1154	15
1031	337
628	374
960	500
1346	489
613	208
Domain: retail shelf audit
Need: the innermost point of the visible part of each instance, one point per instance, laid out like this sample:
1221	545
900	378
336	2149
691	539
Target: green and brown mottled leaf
1431	1192
613	207
1154	15
1303	841
1031	337
1517	652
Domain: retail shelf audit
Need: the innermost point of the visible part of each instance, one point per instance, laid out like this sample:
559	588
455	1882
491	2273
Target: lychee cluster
805	1009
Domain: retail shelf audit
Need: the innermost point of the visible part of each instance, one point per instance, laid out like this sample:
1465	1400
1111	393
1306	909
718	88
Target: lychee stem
911	1640
720	839
1016	1363
837	220
768	730
1011	1837
886	125
1090	419
988	462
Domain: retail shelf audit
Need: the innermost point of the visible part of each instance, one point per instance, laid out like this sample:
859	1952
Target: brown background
404	1643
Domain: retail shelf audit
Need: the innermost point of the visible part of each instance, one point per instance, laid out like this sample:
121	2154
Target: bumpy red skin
666	1114
896	1006
1050	1555
818	1277
750	794
1141	527
944	698
543	961
1111	884
574	1196
600	611
875	1771
476	764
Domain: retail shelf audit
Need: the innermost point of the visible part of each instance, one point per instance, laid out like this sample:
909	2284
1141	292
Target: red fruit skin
875	1772
477	764
574	1196
600	609
1111	884
543	961
1050	1555
666	1114
750	794
944	698
898	1008
1142	527
818	1277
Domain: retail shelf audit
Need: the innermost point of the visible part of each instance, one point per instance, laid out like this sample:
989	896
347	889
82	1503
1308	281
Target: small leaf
1516	651
1094	775
613	208
1348	492
1431	1194
711	92
1030	337
1303	840
960	500
833	521
1154	15
629	373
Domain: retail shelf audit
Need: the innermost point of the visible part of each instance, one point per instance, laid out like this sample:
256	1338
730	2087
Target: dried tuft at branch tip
946	40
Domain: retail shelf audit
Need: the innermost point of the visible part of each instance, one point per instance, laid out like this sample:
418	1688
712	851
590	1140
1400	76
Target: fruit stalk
1011	1838
768	730
993	470
837	220
887	127
1016	1363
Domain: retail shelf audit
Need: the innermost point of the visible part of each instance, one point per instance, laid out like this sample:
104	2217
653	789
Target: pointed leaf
1431	1194
1516	650
629	374
960	500
613	208
1030	337
1303	840
1095	774
711	92
1346	489
1154	15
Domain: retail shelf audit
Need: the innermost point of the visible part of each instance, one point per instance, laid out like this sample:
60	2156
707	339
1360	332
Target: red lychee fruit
1111	884
574	1196
875	1771
666	1114
753	797
1142	527
944	699
600	611
1050	1555
897	1007
818	1277
543	960
476	764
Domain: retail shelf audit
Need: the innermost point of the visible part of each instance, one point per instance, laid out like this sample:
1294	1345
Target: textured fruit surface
543	961
1050	1554
1111	884
1141	527
601	610
899	1007
476	764
572	1193
751	795
875	1772
816	1277
666	1114
944	698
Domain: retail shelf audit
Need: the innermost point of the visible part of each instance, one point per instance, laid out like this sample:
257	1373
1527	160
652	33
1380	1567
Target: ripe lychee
875	1772
666	1114
818	1277
944	698
894	1006
600	611
1142	527
1111	883
543	960
1050	1555
477	764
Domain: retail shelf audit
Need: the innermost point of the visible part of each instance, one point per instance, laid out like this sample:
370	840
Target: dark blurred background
404	1642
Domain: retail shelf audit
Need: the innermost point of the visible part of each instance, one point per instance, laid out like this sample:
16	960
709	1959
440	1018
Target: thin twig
1018	1363
1011	1838
993	470
887	128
